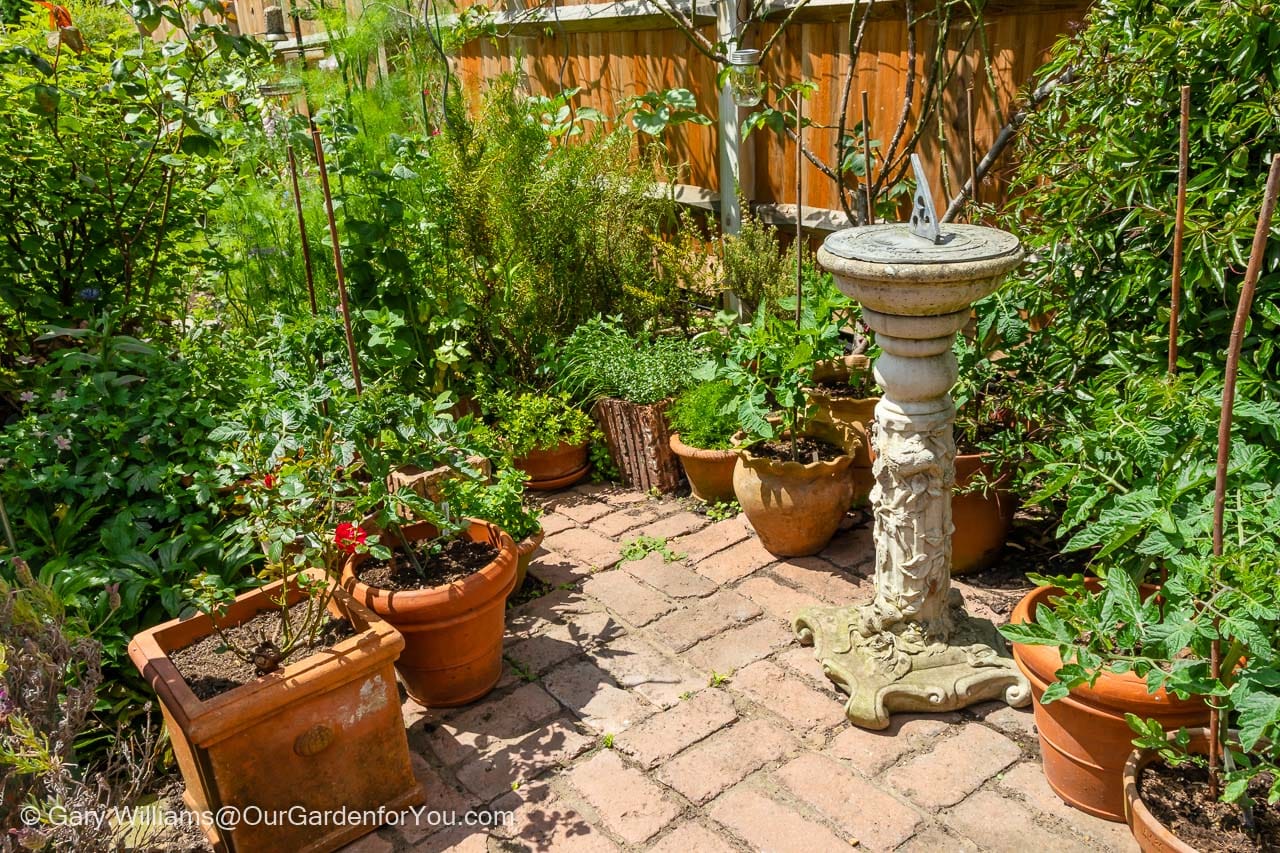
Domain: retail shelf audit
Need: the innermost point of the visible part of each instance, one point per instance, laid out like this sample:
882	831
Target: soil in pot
456	560
209	669
1179	798
809	449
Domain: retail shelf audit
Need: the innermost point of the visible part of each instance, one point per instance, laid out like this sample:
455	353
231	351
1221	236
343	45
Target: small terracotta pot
710	472
1153	836
854	419
982	518
524	554
555	468
794	507
325	732
452	633
1084	739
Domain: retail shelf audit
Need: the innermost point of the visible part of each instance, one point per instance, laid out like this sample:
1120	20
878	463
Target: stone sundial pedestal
914	648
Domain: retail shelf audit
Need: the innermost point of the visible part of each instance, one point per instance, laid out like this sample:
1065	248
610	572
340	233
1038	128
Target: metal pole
337	259
736	176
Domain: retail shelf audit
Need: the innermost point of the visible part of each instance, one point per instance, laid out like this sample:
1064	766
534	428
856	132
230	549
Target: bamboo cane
337	259
1179	218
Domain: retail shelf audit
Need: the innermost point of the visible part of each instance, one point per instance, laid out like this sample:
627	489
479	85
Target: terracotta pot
555	468
794	507
1153	836
524	554
710	472
853	418
1084	739
325	732
982	518
452	633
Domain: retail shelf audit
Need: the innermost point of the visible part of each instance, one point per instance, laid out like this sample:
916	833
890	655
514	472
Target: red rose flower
348	536
269	481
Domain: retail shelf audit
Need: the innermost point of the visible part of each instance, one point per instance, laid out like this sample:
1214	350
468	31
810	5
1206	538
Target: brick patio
665	706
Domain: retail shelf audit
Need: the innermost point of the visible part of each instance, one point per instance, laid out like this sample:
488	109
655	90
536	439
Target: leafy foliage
500	502
600	359
519	423
705	416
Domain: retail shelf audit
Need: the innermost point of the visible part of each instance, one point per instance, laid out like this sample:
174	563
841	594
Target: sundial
914	647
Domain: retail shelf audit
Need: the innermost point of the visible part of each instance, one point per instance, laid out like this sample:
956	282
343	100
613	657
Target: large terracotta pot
1084	739
452	633
323	733
794	507
710	472
1153	836
524	555
982	518
555	468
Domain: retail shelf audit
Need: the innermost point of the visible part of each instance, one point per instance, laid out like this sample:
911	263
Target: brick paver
605	733
957	766
629	803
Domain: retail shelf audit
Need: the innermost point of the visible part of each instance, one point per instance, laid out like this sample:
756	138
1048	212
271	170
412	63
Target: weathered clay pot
452	633
710	472
982	517
554	468
1153	836
854	418
524	554
323	733
1084	739
794	507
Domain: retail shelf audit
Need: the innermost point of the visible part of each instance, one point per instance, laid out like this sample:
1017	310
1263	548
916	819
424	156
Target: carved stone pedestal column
914	648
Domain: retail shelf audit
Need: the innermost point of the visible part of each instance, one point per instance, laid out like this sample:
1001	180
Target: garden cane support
914	648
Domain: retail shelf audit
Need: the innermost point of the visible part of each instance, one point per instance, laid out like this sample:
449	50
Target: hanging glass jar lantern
745	80
274	19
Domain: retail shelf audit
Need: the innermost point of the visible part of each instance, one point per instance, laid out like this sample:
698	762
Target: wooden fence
626	48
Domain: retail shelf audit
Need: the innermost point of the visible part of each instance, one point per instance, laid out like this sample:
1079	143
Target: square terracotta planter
324	733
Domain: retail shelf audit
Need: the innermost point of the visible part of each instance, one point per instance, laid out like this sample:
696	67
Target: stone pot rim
788	468
207	720
1136	812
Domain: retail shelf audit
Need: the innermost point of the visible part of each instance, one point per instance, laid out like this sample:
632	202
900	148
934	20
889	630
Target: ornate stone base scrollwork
888	672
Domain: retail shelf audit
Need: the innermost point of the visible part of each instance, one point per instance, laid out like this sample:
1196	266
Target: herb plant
499	502
600	359
521	423
704	416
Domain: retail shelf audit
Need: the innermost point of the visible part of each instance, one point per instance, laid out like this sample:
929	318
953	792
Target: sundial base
892	671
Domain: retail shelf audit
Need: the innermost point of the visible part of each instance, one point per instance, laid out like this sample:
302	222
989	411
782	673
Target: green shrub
520	423
500	502
756	268
1097	185
600	359
108	151
705	416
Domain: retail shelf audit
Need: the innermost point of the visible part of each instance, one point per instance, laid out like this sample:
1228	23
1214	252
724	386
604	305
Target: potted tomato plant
272	697
442	580
792	475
